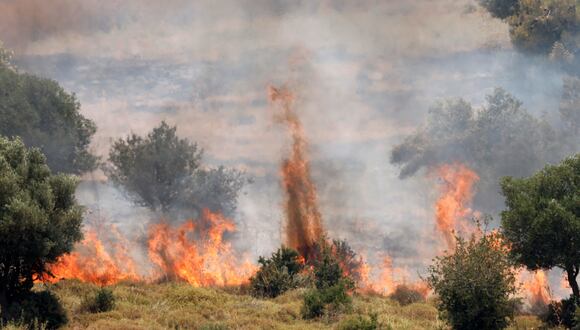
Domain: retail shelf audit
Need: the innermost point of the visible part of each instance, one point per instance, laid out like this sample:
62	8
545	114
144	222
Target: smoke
499	139
366	72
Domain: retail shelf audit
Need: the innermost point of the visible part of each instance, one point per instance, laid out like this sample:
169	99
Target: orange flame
92	262
385	278
456	193
537	288
304	222
207	261
192	252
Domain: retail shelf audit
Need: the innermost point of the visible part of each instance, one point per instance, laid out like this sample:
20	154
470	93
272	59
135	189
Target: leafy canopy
542	218
164	172
475	284
277	274
39	217
44	115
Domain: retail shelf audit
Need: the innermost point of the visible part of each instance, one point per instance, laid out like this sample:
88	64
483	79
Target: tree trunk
572	273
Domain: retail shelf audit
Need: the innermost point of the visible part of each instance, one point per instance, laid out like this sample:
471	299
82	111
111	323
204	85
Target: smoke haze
366	74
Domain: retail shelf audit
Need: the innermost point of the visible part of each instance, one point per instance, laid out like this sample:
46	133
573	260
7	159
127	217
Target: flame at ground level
194	251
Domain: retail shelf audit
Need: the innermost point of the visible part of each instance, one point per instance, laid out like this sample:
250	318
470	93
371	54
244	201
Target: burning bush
102	301
406	295
475	284
277	274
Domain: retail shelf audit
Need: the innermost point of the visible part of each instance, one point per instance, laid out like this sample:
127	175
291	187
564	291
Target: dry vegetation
181	306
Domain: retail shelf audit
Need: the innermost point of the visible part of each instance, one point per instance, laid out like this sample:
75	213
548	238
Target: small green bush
331	300
37	310
277	274
577	318
475	284
406	295
102	301
360	323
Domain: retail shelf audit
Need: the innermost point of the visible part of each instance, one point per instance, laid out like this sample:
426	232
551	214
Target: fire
92	262
304	222
385	278
205	260
456	193
537	288
194	252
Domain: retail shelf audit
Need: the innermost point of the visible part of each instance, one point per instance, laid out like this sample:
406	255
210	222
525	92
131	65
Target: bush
406	295
475	284
360	323
562	313
330	300
277	274
36	310
327	269
102	301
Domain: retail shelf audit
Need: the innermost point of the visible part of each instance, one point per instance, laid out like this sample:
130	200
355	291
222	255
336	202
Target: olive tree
44	115
39	218
164	173
541	221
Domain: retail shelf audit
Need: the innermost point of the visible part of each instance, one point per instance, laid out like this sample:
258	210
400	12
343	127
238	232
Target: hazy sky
365	73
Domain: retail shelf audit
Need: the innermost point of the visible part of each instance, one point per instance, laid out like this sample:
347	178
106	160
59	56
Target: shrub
277	274
406	295
360	323
102	301
475	284
36	310
327	270
561	313
330	300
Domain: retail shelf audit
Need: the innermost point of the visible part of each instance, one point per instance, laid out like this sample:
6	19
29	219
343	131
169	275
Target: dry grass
180	306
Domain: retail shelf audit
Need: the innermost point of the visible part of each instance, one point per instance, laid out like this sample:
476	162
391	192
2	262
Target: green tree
501	138
475	284
500	8
164	172
39	218
44	115
542	218
536	26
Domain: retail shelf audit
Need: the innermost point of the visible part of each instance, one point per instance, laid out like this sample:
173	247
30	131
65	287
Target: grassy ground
180	306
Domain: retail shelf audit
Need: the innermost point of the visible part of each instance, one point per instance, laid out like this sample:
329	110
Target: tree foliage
501	8
475	284
39	218
44	115
537	25
164	172
542	218
501	138
277	274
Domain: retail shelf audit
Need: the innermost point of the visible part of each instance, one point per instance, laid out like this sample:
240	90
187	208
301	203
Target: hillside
181	306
